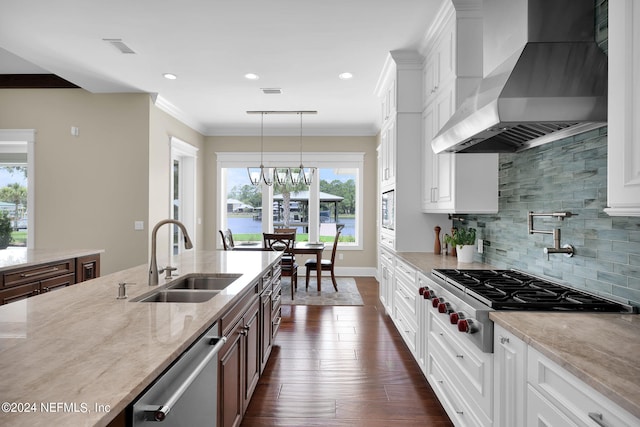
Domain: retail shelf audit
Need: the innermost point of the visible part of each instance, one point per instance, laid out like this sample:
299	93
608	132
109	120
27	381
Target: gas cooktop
515	290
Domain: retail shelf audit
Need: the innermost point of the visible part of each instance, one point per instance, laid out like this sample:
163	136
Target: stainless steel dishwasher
186	393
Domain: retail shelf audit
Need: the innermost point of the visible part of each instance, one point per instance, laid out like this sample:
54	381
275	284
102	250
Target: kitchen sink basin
215	282
174	295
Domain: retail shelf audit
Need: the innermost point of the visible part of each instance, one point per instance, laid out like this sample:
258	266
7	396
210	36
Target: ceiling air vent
271	90
119	44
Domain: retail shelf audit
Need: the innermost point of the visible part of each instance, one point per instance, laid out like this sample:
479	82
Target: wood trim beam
34	81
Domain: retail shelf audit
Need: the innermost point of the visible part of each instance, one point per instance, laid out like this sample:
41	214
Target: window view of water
337	205
246	225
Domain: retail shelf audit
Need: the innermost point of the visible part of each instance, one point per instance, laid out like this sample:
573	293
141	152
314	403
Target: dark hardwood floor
342	366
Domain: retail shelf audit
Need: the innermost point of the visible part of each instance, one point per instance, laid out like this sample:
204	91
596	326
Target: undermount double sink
190	289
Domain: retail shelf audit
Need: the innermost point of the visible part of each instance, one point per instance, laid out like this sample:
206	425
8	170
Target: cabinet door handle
598	418
38	273
504	340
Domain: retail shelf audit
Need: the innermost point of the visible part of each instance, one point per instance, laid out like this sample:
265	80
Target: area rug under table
347	292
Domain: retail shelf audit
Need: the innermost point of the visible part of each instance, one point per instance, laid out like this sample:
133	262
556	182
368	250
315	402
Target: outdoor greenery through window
13	206
330	204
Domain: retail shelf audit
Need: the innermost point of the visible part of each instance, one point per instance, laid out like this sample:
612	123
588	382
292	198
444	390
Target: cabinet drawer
453	403
32	274
407	272
407	328
275	322
407	296
19	292
230	318
265	281
469	367
387	256
577	400
276	296
540	412
387	240
54	283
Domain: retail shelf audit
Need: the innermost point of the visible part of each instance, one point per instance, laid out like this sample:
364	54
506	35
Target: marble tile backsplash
566	175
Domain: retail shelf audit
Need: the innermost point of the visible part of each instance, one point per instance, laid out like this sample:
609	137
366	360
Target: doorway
183	191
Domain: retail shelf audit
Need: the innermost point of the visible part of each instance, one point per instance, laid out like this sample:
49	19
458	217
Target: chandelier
278	174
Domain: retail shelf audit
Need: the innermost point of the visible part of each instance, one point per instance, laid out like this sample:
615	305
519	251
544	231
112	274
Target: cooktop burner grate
515	290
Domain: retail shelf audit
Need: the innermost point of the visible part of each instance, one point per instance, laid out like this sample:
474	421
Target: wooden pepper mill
436	244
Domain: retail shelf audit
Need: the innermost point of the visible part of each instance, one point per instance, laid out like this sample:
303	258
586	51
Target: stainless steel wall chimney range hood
545	79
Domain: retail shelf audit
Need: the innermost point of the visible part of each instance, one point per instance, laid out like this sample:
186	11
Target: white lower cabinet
509	378
423	305
514	386
469	370
445	388
387	274
564	394
531	390
405	310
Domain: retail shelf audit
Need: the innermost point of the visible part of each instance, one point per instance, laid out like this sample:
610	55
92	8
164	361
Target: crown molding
175	112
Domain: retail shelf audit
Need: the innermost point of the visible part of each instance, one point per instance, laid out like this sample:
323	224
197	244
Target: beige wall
352	258
90	189
162	127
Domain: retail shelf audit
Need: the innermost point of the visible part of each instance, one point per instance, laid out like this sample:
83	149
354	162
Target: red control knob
467	325
455	316
435	301
428	294
422	290
444	307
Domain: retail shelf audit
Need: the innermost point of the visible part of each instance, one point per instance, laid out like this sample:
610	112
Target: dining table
302	248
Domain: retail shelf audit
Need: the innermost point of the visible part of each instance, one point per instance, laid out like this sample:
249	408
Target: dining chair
284	242
227	239
325	264
286	230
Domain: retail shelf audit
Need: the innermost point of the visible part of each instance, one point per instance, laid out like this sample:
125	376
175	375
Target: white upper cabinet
623	188
400	90
454	183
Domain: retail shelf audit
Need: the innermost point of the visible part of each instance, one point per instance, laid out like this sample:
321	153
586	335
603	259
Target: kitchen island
79	356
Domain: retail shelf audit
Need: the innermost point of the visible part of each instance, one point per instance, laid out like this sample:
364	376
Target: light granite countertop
13	257
80	350
601	349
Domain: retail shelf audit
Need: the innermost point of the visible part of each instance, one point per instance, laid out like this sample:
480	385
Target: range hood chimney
547	79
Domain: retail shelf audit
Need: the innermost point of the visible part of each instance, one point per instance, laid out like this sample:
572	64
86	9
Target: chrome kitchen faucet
556	249
153	268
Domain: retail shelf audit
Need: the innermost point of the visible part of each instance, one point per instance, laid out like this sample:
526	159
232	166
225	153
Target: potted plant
464	241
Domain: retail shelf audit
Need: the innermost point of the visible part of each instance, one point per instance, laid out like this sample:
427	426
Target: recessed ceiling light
345	76
170	76
251	76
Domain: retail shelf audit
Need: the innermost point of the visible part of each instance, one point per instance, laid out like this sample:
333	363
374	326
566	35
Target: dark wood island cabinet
28	281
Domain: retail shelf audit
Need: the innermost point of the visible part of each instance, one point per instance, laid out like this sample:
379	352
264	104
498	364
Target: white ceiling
298	45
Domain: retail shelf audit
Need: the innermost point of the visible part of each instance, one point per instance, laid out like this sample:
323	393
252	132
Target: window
333	201
243	205
16	183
